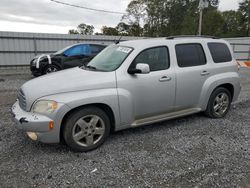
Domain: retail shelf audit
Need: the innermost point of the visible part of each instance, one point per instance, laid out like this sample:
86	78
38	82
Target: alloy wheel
51	69
88	130
221	104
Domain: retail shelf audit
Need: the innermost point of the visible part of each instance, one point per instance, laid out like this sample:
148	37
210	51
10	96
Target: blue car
69	57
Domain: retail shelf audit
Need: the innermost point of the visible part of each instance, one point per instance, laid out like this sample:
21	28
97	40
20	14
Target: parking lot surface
192	151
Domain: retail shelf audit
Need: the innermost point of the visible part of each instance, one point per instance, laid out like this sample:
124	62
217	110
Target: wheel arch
228	86
210	108
55	62
229	80
106	108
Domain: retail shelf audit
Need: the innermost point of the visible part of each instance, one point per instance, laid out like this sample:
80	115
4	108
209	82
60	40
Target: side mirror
141	68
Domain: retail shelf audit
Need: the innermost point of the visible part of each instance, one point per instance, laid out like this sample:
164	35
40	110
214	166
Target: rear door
191	72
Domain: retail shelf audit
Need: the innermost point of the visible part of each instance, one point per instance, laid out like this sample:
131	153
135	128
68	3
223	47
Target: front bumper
35	123
35	71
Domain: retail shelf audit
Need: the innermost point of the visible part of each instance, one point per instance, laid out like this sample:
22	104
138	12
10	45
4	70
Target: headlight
45	107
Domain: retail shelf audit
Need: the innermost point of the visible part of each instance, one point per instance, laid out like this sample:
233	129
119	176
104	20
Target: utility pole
200	22
202	5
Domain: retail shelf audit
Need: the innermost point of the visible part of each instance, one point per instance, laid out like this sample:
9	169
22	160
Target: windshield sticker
124	49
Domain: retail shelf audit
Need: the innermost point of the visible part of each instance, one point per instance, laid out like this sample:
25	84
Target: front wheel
36	74
51	68
219	103
86	129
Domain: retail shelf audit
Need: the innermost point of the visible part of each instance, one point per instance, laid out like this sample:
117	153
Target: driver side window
78	50
157	58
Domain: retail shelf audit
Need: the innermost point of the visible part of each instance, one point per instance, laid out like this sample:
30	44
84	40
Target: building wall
18	48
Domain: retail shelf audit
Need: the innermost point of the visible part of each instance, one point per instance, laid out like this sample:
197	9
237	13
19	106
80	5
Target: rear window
220	52
189	55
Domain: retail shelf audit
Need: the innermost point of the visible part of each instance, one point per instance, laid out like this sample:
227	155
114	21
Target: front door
76	56
151	94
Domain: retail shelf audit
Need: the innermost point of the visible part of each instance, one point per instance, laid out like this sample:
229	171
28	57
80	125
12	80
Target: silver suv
129	84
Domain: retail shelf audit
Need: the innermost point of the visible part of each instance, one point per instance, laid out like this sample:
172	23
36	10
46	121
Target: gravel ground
194	151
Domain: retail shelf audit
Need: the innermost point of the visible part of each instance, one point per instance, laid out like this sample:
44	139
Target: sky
45	16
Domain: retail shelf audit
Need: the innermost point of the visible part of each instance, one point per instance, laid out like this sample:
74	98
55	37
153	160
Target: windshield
110	58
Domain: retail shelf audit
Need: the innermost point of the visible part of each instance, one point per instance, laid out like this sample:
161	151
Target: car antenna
118	41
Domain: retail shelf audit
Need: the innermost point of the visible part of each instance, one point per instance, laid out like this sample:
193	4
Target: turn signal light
51	125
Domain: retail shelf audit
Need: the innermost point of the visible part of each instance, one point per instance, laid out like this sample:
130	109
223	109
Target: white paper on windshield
124	49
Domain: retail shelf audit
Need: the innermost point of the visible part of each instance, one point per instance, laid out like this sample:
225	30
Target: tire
219	103
51	68
36	74
81	135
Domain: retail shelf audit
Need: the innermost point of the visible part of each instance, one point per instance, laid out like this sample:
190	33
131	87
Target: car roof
89	44
144	43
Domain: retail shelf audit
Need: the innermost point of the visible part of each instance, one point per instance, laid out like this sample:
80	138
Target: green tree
212	23
156	22
176	13
135	16
123	29
85	29
156	18
232	24
136	11
133	29
244	10
109	31
189	25
173	17
73	32
159	17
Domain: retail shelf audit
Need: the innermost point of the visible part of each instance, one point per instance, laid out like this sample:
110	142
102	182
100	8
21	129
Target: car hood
70	80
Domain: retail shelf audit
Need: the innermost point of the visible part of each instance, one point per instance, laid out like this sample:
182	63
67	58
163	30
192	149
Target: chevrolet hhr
129	84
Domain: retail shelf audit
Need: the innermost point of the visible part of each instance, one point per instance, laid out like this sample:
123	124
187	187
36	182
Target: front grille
22	99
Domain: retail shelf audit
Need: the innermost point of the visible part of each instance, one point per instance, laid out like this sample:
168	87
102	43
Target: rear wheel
219	103
86	129
51	68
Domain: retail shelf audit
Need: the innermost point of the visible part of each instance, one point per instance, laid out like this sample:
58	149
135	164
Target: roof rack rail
191	36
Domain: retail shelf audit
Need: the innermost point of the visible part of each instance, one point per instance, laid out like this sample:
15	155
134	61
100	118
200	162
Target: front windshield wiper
91	67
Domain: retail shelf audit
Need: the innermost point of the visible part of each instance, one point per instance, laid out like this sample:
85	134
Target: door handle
205	73
165	79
